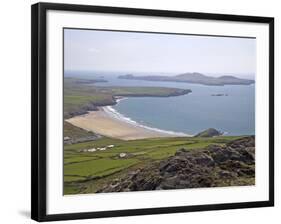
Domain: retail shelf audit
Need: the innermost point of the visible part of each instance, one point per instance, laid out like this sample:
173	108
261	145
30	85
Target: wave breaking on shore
107	121
117	115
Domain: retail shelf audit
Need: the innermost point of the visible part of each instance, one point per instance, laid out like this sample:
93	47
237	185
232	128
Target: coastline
108	122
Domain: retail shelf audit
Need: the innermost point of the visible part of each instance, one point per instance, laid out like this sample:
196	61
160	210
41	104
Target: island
194	78
219	94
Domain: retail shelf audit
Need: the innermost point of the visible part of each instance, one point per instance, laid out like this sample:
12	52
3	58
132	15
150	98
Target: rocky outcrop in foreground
214	166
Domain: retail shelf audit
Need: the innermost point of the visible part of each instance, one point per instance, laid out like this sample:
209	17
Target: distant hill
210	132
195	77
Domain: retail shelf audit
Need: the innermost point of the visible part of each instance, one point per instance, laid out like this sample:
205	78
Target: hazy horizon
158	54
95	73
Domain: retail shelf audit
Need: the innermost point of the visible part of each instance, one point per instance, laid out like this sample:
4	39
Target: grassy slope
74	132
84	172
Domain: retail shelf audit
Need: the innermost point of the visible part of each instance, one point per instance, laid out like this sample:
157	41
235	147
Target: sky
93	50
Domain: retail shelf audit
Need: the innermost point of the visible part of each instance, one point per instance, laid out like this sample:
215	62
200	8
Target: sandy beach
105	123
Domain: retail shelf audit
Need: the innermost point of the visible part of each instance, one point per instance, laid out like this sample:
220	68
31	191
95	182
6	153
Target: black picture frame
39	124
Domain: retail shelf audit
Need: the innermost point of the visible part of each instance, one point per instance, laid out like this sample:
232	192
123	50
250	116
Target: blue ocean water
233	114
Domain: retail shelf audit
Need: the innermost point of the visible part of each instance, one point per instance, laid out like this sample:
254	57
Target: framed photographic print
139	111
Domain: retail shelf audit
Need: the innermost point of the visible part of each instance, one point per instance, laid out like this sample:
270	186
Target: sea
233	113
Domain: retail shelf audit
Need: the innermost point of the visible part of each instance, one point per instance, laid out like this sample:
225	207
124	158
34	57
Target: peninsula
87	107
80	97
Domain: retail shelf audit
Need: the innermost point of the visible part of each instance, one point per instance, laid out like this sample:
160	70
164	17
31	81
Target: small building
66	138
110	146
122	155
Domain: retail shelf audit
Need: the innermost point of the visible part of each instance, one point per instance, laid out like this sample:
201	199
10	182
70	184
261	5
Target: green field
85	172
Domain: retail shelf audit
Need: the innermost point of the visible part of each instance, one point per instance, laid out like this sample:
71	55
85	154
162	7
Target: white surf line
115	114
